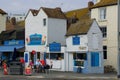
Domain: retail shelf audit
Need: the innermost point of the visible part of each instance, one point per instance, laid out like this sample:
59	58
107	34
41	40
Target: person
5	68
31	64
51	64
28	70
42	65
37	65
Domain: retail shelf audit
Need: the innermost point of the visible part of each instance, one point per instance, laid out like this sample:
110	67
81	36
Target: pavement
59	75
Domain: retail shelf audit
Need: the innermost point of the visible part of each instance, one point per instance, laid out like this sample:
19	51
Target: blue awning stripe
9	48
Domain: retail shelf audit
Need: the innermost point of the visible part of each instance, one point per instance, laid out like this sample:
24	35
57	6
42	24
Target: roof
54	12
50	12
2	12
78	12
81	27
34	12
104	3
12	34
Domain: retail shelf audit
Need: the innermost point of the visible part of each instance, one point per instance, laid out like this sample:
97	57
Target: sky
22	6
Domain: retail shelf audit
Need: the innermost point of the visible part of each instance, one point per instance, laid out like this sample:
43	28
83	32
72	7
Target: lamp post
118	36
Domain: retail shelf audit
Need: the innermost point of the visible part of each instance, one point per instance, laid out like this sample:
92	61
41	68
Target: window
76	40
44	22
105	52
55	56
104	31
102	13
82	56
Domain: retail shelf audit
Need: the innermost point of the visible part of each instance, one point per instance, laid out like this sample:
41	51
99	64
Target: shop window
82	56
56	56
105	52
76	40
94	59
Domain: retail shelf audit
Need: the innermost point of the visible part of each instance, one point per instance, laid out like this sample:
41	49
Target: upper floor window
104	31
44	22
76	40
105	52
102	13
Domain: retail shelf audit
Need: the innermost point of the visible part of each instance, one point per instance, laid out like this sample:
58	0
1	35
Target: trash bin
16	68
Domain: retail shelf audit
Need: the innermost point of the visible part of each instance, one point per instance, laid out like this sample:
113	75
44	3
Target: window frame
105	52
102	13
44	21
104	31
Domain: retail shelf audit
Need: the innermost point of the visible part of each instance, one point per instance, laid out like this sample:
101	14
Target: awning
21	49
9	48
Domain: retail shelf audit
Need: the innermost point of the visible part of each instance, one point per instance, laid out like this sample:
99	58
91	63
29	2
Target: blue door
95	59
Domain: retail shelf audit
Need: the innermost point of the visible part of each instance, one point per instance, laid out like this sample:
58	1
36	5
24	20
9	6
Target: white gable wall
34	24
94	38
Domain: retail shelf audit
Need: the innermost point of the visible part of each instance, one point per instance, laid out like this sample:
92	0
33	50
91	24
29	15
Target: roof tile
104	3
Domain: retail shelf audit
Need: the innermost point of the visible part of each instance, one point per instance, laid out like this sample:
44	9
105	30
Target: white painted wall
94	38
75	48
2	22
34	24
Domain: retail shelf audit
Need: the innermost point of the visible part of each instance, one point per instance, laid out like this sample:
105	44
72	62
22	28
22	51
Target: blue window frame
94	59
76	40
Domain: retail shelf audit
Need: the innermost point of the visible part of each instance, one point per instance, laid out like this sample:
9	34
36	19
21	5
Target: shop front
83	57
10	50
55	56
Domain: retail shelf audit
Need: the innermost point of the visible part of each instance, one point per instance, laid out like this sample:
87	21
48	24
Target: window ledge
102	20
104	39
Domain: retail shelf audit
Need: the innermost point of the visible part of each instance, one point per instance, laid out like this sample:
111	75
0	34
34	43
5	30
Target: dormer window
44	22
102	13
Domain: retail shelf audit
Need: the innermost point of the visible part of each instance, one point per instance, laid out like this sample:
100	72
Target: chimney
90	4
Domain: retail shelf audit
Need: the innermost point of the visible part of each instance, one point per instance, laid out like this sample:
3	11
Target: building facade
106	14
44	29
84	47
3	17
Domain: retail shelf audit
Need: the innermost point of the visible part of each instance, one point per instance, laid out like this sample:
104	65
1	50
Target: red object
5	69
42	62
33	51
28	71
22	60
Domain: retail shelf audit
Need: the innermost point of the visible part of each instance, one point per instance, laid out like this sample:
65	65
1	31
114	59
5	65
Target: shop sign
54	47
36	39
14	42
82	48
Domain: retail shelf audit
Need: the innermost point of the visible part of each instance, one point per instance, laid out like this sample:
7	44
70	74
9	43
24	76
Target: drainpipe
118	36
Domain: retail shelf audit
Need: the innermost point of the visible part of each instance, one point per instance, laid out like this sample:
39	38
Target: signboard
54	47
76	40
36	39
13	42
82	48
